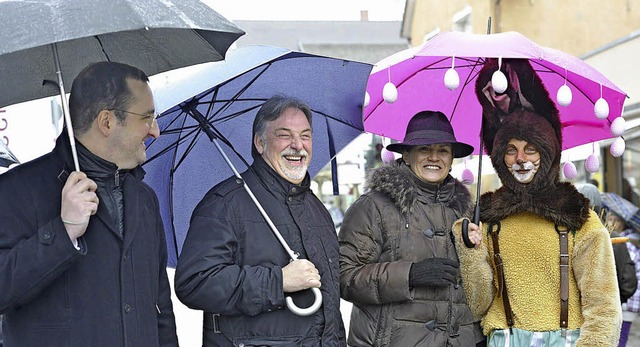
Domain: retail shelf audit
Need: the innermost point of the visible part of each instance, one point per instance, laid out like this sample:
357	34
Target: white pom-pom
499	82
387	156
617	126
451	79
564	95
467	176
617	147
592	164
367	99
601	108
390	93
569	170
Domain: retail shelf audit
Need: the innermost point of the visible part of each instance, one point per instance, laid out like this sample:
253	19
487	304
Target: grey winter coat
401	220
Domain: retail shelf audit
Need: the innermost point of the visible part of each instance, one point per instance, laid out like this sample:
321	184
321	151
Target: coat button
238	181
290	199
429	233
127	308
46	235
294	189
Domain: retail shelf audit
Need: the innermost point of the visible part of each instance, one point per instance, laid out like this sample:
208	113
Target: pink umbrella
418	75
441	76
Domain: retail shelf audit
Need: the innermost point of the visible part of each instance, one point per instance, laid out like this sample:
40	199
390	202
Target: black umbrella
52	40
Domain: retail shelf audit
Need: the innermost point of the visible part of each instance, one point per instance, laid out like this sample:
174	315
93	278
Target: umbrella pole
476	212
293	255
65	107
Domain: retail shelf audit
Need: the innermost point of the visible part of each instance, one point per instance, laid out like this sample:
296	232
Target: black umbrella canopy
153	35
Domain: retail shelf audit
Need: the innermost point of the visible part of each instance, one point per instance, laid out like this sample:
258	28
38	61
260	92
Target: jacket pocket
283	341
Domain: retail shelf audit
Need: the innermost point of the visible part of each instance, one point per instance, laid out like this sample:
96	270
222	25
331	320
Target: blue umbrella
184	164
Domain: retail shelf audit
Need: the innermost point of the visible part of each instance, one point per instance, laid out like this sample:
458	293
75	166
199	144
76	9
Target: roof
364	41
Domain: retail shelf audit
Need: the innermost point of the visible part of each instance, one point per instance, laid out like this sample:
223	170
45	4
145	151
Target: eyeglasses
151	120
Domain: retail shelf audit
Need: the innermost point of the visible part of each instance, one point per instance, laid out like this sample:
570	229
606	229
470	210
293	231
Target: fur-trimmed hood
398	182
558	202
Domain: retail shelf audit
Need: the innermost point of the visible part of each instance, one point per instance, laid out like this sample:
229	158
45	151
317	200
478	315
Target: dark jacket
401	220
114	291
231	263
625	271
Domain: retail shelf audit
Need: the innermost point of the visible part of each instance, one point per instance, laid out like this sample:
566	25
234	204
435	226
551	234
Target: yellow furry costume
531	266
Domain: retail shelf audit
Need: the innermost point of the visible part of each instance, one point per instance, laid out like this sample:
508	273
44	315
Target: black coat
231	263
113	292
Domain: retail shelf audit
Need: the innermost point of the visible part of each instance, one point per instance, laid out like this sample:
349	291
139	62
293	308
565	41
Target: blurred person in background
625	265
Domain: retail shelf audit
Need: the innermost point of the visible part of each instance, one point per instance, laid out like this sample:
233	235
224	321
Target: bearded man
234	268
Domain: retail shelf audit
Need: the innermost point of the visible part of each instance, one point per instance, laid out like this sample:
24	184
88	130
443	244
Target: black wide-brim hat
430	128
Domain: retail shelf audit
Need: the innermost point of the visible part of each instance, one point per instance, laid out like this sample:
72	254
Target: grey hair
271	110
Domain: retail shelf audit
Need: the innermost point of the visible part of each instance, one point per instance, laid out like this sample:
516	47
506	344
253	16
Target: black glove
436	272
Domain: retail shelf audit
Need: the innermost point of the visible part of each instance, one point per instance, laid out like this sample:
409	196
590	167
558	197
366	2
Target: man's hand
79	202
298	275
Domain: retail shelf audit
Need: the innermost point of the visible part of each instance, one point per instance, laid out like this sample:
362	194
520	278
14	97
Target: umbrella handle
309	310
465	234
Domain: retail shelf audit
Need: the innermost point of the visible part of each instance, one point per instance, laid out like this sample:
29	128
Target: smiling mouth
432	167
294	158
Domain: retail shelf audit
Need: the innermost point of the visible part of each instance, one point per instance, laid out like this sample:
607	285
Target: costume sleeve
476	271
207	276
594	270
166	319
363	279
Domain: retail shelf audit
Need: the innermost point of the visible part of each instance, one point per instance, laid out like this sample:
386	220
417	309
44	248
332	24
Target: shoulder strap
502	285
564	278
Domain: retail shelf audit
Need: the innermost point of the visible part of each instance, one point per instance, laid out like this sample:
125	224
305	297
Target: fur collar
561	204
399	184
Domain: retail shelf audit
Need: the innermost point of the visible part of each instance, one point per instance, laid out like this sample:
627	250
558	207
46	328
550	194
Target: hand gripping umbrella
181	166
52	40
441	75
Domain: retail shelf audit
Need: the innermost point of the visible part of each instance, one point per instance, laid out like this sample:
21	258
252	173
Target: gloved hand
437	272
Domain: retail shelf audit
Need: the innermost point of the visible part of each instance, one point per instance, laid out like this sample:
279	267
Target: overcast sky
379	10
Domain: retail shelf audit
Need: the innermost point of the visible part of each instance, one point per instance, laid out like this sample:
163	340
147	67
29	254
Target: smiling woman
396	246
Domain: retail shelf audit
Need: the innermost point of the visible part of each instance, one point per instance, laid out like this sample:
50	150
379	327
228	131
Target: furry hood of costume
397	181
558	202
524	90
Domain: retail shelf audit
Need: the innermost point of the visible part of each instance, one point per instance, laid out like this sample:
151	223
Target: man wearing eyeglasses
83	253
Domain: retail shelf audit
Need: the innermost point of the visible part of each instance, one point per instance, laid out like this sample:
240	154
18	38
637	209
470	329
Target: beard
294	172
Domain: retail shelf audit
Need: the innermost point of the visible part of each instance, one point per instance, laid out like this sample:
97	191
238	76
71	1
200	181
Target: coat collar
398	182
562	205
275	184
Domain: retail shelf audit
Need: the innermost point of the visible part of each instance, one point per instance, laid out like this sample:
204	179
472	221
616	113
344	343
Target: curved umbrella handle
465	234
309	310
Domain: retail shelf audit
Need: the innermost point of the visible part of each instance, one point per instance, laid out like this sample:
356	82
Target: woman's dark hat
429	128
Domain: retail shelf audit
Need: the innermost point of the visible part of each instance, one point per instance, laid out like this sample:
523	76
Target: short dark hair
101	86
271	110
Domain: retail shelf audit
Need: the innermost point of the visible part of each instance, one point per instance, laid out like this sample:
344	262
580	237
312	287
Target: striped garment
524	338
